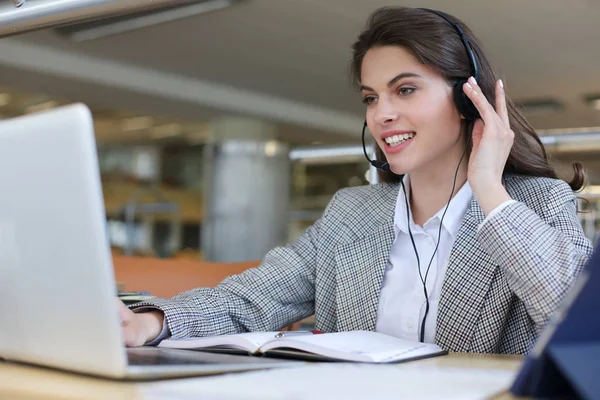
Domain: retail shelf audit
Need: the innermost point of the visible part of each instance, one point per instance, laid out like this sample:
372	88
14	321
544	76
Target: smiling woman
471	242
435	49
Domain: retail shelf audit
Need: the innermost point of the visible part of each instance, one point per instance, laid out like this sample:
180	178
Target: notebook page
249	341
356	346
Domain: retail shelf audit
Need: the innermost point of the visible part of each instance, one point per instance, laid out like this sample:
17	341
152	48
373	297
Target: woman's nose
385	113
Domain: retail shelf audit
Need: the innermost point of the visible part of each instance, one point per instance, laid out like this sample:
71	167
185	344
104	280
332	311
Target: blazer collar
380	211
453	216
361	263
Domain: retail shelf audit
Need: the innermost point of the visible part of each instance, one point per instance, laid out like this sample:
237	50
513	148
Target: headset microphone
382	165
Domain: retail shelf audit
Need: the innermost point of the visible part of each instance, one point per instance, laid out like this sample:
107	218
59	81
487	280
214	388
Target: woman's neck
430	190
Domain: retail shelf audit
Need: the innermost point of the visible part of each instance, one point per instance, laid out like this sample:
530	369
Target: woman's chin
399	168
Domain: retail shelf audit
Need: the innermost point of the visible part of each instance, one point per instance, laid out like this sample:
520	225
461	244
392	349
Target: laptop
57	286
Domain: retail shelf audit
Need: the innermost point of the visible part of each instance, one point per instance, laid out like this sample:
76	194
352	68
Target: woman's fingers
473	91
501	108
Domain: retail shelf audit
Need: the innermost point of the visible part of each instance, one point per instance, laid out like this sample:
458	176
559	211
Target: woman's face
410	111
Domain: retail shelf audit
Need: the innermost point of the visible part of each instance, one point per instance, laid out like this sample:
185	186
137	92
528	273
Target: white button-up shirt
402	300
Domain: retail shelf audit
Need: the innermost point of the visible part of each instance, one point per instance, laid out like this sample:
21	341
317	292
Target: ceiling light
271	148
541	106
4	99
569	131
328	154
165	131
575	140
46	105
591	189
593	101
137	123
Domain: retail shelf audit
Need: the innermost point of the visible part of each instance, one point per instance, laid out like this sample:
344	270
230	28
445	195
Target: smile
396	140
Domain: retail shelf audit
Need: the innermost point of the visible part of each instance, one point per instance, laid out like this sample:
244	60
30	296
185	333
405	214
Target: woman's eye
368	100
405	91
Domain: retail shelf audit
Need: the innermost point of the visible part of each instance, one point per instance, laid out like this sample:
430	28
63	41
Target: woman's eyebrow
394	79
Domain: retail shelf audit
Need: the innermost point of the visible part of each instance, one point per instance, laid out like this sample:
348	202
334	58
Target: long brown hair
435	43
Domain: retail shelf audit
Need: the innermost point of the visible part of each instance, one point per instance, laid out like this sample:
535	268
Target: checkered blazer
503	282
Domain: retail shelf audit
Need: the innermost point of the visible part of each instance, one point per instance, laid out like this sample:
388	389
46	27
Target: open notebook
358	346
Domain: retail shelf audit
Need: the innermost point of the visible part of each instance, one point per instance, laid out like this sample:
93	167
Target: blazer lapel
361	266
468	279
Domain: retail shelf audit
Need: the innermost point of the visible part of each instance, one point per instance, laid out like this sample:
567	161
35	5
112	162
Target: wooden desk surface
20	382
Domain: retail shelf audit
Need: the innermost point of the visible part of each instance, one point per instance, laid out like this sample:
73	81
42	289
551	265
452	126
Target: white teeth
397	139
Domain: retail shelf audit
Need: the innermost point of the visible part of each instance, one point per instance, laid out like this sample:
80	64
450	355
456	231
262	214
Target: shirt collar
456	210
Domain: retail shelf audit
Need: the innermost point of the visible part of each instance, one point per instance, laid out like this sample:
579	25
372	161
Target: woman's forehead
381	64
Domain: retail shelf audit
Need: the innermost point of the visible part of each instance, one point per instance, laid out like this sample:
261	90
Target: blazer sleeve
278	292
540	254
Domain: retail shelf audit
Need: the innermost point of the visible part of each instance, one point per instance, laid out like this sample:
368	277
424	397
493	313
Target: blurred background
224	127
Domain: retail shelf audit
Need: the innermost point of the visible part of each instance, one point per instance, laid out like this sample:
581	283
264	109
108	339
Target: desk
21	382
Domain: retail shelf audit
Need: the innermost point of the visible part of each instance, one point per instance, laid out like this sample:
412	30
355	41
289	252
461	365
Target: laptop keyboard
155	356
160	359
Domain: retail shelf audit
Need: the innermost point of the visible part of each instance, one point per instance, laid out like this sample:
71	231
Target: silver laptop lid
56	276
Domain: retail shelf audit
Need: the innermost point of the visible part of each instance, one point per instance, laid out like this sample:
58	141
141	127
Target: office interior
156	164
225	132
155	168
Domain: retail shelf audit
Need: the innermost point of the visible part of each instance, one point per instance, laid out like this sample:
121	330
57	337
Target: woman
471	241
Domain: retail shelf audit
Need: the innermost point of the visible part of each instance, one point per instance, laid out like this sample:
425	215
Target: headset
464	105
468	110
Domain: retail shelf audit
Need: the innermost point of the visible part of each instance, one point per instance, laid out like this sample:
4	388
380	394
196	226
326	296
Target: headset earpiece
465	106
